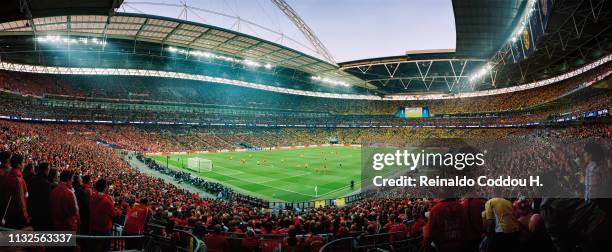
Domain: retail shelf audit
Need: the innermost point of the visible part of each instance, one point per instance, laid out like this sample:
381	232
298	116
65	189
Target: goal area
199	164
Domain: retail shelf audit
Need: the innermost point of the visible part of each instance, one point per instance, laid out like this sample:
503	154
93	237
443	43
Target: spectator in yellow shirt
503	228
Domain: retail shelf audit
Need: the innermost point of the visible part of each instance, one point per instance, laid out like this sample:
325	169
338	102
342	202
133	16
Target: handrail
113	237
324	248
356	240
199	243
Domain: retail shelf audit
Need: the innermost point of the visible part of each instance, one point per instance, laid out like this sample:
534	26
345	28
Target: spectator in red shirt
314	242
445	227
372	220
13	196
251	242
137	218
398	230
267	228
216	242
390	223
416	229
102	210
64	208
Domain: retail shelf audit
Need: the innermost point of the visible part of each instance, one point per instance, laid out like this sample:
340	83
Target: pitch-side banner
530	167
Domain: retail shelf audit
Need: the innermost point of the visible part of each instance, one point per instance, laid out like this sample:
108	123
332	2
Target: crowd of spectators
159	138
52	172
46	169
576	104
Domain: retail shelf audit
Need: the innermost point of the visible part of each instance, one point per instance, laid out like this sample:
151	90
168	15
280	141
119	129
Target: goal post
199	164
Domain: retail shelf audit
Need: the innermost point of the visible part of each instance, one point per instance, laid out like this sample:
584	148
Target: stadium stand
77	148
176	93
578	100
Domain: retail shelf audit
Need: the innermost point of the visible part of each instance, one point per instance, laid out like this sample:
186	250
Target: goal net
199	164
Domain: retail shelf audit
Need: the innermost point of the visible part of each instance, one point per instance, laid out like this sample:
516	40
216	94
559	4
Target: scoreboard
413	112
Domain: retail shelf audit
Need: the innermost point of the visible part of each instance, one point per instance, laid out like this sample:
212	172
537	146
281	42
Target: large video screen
413	112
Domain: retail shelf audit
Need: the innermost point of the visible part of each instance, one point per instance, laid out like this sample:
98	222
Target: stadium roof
482	28
416	72
478	24
18	9
56	19
579	32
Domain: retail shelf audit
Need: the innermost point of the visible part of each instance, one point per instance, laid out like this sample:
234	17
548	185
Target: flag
528	40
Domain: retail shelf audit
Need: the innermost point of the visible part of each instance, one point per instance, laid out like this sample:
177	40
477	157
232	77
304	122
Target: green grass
283	176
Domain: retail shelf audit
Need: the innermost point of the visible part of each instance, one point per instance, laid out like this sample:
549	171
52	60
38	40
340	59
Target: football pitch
281	174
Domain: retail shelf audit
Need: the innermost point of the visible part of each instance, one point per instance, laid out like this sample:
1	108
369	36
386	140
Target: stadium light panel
330	81
195	53
251	63
54	39
481	72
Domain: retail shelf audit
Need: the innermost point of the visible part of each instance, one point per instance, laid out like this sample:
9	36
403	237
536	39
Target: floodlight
330	81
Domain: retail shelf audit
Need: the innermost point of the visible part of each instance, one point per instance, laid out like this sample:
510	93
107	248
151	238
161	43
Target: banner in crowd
340	202
596	113
319	203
